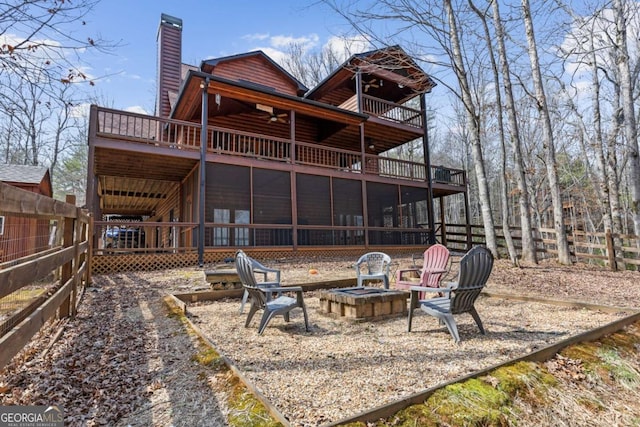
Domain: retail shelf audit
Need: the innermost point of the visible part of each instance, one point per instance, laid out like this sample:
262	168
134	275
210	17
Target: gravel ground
124	361
340	368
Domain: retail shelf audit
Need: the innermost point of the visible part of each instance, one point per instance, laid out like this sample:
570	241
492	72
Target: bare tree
501	130
439	21
548	138
42	37
620	9
528	245
312	66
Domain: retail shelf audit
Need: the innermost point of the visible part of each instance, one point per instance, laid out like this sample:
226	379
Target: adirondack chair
436	258
261	298
265	283
460	296
373	266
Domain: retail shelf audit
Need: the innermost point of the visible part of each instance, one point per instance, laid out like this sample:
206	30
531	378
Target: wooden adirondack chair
266	283
475	268
261	298
436	258
373	266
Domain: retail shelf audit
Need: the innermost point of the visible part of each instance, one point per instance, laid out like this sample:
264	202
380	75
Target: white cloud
275	54
347	46
306	42
255	36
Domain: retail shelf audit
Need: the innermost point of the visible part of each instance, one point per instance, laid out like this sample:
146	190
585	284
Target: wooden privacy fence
39	286
618	251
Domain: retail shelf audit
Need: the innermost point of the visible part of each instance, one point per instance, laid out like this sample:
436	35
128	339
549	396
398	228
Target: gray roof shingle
25	174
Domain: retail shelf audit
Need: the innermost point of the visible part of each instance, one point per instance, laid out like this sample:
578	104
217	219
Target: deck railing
392	111
139	128
318	155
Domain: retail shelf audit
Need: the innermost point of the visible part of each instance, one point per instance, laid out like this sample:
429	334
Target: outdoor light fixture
371	146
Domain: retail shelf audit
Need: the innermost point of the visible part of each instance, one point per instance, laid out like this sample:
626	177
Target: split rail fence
616	251
46	284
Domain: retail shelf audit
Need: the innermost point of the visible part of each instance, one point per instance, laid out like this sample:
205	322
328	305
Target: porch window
228	201
272	206
221	235
314	208
382	206
347	211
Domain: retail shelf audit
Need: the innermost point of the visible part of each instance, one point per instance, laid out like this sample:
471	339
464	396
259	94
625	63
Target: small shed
22	236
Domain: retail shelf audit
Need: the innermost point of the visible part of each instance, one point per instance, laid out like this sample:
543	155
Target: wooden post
611	251
443	225
67	241
89	236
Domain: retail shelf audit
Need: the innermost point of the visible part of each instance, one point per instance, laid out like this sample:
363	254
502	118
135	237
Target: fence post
90	230
67	241
611	251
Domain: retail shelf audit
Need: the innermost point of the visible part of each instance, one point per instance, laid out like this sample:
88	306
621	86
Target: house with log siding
240	154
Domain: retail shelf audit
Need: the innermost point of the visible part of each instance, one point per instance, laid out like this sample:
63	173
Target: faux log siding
253	124
337	96
257	70
350	104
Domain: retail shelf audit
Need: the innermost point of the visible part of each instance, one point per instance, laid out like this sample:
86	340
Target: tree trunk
528	244
474	132
504	197
626	92
549	145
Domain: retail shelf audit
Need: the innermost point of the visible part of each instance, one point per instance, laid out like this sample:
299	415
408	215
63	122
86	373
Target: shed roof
24	174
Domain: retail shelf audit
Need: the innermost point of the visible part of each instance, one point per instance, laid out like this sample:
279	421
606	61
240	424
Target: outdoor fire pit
363	303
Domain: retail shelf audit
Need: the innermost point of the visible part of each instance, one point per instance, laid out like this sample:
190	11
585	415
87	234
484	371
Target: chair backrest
475	268
376	262
436	258
244	269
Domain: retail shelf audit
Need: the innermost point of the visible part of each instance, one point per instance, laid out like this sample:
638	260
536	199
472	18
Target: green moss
473	402
587	352
209	357
415	415
623	341
245	410
626	341
621	371
523	379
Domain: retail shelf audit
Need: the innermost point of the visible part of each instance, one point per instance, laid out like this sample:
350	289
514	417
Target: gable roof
209	65
391	61
23	174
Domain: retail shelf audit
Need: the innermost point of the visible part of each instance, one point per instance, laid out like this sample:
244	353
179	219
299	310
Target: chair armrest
261	269
427	289
402	271
286	289
269	285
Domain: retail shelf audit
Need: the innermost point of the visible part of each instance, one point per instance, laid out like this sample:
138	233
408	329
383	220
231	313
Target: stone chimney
169	42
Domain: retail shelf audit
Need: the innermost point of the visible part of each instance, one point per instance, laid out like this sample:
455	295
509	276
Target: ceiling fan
373	83
272	117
